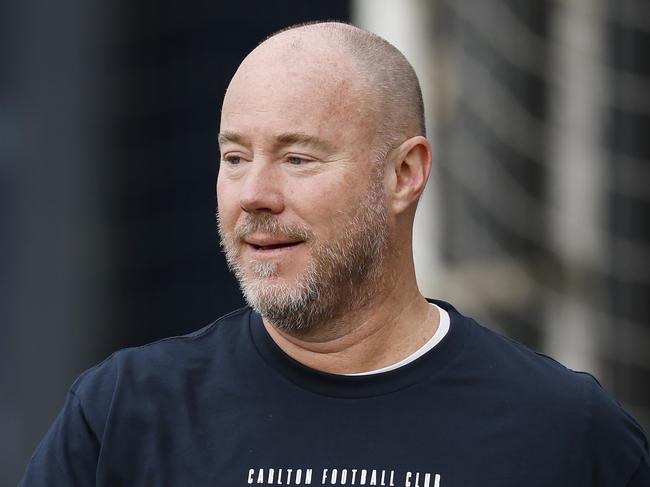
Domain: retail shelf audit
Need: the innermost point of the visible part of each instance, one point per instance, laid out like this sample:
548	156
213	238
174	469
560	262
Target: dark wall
175	69
108	121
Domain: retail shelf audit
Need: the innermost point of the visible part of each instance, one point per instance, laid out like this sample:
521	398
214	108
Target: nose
261	190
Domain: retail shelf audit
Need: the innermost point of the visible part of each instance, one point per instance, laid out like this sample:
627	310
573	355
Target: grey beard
340	277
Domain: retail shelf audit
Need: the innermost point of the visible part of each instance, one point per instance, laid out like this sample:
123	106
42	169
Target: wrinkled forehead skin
300	81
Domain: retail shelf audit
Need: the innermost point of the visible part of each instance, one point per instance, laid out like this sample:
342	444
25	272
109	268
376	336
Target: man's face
302	214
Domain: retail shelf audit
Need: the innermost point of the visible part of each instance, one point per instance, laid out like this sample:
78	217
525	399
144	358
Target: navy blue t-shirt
224	406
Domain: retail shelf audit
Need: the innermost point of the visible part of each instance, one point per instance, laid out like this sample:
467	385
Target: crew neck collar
359	386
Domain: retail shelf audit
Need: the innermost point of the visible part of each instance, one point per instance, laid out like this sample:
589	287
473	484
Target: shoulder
526	371
165	363
510	365
556	402
177	349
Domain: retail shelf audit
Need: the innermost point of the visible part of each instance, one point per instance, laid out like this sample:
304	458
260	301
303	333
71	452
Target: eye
233	160
295	160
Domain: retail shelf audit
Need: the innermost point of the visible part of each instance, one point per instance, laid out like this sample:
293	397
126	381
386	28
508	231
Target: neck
394	323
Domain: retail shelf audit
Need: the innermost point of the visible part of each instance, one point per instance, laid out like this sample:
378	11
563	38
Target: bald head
323	160
378	77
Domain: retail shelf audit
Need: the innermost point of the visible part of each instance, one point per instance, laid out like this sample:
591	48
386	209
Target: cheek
227	205
326	208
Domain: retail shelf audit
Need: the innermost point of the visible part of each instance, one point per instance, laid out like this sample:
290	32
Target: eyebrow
299	138
284	139
234	137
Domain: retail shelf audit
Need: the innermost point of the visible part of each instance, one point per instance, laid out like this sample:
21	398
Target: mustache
268	224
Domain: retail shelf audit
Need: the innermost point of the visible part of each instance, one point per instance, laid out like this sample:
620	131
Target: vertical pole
406	25
576	166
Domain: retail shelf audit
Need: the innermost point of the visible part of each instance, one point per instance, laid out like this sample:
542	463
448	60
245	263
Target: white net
536	219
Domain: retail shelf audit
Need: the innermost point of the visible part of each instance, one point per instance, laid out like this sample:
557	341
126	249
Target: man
340	372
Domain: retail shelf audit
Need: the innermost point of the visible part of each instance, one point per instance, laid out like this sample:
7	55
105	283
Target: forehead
288	86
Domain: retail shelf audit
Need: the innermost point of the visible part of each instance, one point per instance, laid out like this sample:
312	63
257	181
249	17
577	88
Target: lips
263	243
274	246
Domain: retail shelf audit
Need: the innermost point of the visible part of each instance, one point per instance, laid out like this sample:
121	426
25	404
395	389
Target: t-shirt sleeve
618	443
68	453
641	477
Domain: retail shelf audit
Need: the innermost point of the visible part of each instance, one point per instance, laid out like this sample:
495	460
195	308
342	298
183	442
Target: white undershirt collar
443	328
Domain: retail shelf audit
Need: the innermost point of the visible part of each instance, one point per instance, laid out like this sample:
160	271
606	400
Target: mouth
270	245
275	246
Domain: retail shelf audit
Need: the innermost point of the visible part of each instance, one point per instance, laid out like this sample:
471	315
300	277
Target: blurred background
535	220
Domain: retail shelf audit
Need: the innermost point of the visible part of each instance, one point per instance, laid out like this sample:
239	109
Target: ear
409	168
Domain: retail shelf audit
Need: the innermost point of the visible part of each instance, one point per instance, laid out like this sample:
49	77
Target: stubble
341	275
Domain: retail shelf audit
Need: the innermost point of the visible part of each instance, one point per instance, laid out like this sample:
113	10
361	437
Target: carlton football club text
342	476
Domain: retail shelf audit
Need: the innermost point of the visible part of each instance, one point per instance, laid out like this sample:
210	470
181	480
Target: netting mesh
542	111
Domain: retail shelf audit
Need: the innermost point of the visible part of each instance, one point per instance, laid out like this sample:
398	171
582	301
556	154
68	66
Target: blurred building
536	216
535	220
